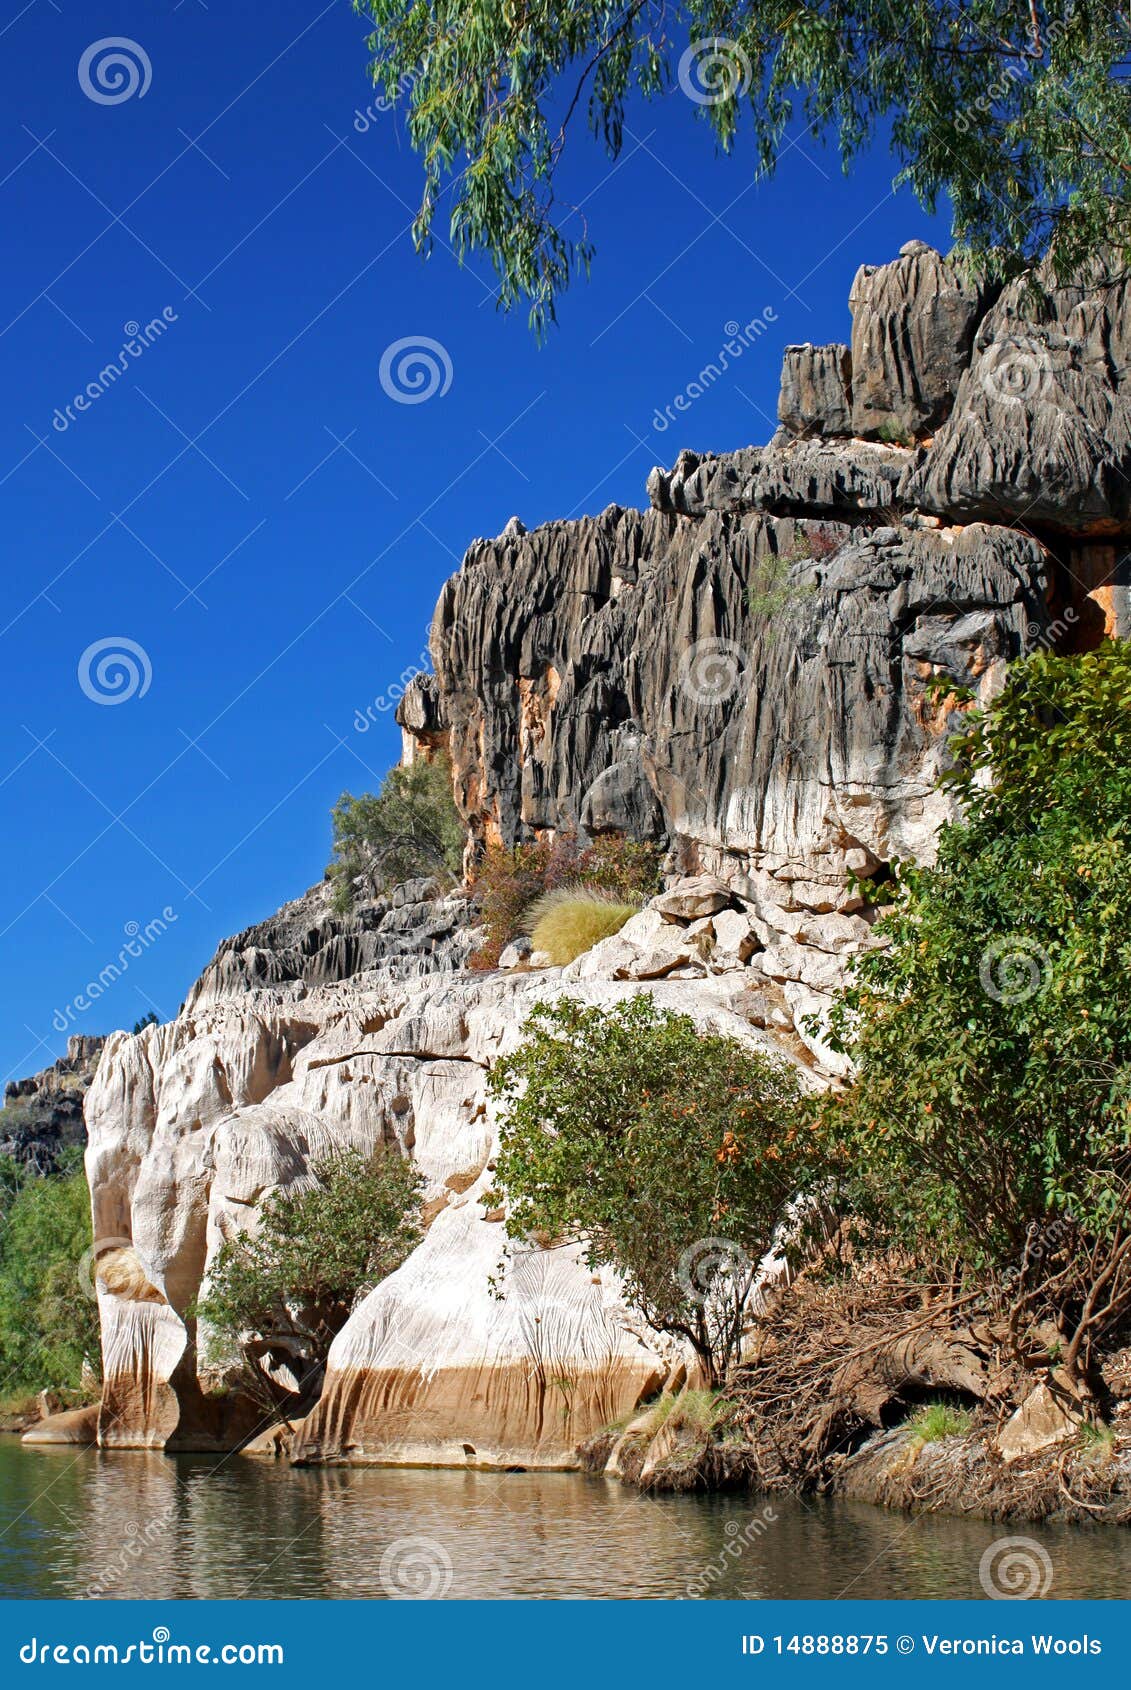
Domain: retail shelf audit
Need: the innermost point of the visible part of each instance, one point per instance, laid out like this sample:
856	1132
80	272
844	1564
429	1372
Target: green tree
990	1118
1014	110
280	1295
671	1153
411	827
48	1318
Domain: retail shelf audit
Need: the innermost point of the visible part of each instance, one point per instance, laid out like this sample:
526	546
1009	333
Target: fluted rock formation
742	671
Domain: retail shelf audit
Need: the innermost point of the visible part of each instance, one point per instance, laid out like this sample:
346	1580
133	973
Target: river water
77	1523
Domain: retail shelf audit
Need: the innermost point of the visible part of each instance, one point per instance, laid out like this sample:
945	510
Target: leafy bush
285	1291
410	828
509	882
990	1118
568	922
48	1320
670	1153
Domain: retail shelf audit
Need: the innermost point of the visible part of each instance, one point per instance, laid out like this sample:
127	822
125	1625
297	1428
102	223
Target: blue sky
245	504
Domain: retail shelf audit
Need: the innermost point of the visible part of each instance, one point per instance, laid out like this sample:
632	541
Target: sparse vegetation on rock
410	828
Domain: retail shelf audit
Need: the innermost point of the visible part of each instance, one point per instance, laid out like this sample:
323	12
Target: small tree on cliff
990	1116
279	1296
671	1154
411	827
1014	113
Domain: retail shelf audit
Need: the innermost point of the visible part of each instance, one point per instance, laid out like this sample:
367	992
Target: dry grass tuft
570	921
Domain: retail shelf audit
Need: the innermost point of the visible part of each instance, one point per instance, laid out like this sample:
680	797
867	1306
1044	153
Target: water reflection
77	1523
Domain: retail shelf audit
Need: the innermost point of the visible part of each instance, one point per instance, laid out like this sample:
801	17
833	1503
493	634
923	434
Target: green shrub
290	1286
566	923
773	588
408	829
671	1154
936	1420
508	882
48	1318
990	1117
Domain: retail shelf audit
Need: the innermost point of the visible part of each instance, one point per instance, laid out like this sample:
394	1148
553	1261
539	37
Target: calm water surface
77	1523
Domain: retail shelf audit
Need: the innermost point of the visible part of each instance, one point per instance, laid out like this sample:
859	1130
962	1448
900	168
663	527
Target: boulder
699	895
72	1426
1042	1421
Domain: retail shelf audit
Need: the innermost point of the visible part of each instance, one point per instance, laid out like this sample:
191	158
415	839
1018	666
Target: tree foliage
48	1315
990	1115
672	1154
283	1292
410	828
1014	110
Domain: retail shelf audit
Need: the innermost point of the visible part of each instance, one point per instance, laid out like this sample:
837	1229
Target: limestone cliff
43	1114
740	671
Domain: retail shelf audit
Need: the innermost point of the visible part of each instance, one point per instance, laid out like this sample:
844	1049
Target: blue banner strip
621	1644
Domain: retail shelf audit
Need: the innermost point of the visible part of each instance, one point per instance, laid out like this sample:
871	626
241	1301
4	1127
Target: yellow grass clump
571	920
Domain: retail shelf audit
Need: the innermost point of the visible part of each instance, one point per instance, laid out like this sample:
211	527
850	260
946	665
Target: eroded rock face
43	1114
192	1124
913	324
1041	428
623	658
741	671
816	390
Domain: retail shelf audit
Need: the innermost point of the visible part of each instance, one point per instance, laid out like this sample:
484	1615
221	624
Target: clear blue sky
245	503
